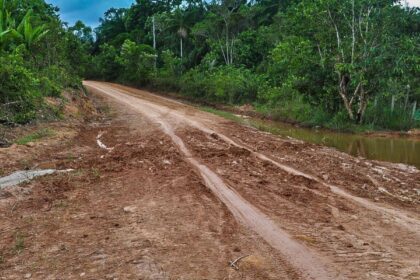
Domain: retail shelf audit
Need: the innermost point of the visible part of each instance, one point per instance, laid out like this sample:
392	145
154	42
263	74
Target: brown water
392	149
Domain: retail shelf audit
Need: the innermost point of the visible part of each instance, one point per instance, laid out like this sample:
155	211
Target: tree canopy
329	62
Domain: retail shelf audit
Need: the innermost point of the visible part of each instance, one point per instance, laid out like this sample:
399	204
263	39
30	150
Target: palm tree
6	24
27	33
175	23
179	22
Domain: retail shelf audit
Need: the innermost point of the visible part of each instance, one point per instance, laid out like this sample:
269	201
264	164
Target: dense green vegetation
336	63
330	62
39	56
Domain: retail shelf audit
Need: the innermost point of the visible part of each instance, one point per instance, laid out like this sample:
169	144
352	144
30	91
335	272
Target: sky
89	11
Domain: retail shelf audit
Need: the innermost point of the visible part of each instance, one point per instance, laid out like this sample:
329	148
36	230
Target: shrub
194	84
19	91
169	73
225	84
381	116
106	65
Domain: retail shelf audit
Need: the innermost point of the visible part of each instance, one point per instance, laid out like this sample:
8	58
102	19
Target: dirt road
176	193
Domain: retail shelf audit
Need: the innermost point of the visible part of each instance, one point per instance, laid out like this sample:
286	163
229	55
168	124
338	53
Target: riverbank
265	113
390	146
397	147
235	112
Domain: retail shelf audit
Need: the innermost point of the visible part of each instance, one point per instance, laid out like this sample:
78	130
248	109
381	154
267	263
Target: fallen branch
10	103
7	122
233	263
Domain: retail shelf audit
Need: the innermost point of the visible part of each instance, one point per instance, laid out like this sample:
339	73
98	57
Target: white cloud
412	3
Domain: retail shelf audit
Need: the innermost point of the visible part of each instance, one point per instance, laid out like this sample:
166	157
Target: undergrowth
43	133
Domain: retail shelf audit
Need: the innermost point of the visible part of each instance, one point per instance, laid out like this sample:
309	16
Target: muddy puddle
392	149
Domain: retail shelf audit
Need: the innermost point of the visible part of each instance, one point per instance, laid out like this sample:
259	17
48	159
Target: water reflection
393	149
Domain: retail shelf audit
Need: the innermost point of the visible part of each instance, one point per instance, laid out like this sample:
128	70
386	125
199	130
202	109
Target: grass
71	157
46	132
25	164
96	173
19	242
61	204
223	114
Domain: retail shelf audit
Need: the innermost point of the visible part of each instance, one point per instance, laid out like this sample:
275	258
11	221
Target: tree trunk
154	41
181	46
343	93
362	105
392	104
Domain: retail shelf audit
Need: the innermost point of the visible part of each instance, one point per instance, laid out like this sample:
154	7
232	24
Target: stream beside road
393	149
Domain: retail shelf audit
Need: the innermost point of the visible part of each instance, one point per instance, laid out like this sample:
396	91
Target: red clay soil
179	194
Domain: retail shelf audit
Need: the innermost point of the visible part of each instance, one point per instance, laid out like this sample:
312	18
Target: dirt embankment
170	192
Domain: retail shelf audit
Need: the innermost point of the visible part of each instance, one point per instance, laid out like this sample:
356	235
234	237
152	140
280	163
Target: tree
224	21
351	40
137	62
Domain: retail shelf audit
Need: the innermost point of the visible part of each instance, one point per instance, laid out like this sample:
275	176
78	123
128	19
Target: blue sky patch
89	11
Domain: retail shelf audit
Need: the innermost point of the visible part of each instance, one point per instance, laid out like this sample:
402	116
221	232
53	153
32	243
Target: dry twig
233	263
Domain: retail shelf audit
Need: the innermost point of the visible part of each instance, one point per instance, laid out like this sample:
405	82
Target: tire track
304	260
398	216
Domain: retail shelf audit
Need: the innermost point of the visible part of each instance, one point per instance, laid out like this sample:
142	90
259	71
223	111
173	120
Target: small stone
167	162
30	144
28	275
130	209
82	274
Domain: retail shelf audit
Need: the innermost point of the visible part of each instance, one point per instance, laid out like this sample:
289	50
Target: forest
340	64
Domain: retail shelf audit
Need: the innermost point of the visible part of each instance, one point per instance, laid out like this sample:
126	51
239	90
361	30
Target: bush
234	85
23	86
225	84
194	84
287	104
169	73
19	91
380	116
106	66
